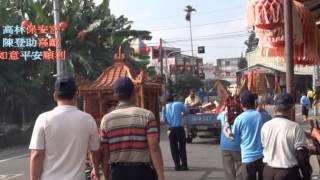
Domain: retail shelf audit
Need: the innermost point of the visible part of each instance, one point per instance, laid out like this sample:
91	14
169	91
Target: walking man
285	146
305	105
231	152
172	114
130	138
247	128
62	137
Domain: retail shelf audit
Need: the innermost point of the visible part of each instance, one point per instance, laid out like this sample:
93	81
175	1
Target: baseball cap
284	99
123	87
65	84
246	97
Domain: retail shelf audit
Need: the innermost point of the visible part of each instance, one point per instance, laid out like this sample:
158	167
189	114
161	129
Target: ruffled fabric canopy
267	17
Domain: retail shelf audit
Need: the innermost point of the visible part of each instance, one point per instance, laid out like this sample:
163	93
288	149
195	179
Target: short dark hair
124	88
65	88
170	98
283	102
247	99
65	95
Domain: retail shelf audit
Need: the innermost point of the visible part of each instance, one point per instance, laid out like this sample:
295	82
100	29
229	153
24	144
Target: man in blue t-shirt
172	115
247	128
231	152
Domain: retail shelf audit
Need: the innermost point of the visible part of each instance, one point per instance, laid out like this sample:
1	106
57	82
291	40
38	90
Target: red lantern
63	25
25	23
82	35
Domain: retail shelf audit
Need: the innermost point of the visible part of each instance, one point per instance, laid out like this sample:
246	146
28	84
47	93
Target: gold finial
119	56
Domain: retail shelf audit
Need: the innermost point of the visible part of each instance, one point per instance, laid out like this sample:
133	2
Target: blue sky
218	24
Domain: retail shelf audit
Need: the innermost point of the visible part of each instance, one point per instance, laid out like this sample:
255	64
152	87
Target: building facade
227	68
175	64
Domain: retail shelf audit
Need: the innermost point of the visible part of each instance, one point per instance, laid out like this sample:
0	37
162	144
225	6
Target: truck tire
189	139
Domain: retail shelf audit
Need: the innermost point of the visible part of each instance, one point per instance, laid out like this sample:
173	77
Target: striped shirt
124	132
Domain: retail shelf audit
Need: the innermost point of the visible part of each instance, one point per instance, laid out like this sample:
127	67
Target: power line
212	38
178	16
198	25
211	35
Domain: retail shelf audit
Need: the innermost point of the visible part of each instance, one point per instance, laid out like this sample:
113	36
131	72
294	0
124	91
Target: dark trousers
132	172
177	139
270	173
253	170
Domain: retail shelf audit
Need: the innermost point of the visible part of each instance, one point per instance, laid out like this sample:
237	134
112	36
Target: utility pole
288	28
191	38
161	57
315	81
56	14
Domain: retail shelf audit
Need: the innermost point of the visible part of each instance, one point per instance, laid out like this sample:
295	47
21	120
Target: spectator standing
172	114
130	138
192	100
61	138
231	152
305	103
247	127
285	146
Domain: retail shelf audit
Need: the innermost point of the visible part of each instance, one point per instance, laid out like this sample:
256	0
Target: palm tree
189	9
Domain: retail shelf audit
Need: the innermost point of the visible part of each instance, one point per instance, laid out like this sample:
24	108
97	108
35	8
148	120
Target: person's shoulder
178	103
142	111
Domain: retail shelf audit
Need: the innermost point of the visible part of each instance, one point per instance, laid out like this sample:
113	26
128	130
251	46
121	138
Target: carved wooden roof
121	68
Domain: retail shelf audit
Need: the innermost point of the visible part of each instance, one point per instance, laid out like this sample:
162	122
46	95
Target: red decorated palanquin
96	93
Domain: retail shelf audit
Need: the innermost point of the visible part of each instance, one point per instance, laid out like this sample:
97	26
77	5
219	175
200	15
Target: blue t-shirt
225	143
247	127
172	113
304	100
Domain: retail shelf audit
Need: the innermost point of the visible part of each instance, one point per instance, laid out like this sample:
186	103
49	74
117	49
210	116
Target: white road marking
9	176
13	158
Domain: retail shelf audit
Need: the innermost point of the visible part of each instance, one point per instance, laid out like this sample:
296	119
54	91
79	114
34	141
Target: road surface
204	160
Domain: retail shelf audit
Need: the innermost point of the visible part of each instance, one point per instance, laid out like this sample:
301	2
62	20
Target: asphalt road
204	160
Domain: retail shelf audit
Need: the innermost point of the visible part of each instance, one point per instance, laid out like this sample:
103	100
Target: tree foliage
26	86
189	9
252	42
183	85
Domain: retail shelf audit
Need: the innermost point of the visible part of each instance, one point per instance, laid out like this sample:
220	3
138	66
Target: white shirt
65	134
280	138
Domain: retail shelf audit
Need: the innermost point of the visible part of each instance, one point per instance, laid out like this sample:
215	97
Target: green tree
252	42
26	86
183	85
243	63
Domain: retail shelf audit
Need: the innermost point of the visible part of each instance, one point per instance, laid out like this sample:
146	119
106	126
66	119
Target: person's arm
164	117
154	147
105	161
156	156
302	153
36	162
37	147
95	159
94	148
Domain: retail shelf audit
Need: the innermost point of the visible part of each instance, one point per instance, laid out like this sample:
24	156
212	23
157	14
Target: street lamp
166	57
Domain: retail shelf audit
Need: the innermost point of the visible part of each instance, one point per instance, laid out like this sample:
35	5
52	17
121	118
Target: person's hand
95	175
228	133
315	133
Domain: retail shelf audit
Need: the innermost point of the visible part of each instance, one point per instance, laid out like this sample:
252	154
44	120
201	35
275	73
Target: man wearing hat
247	128
61	138
130	138
285	146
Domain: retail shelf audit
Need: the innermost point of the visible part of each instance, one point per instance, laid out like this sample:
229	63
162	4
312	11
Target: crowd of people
255	146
